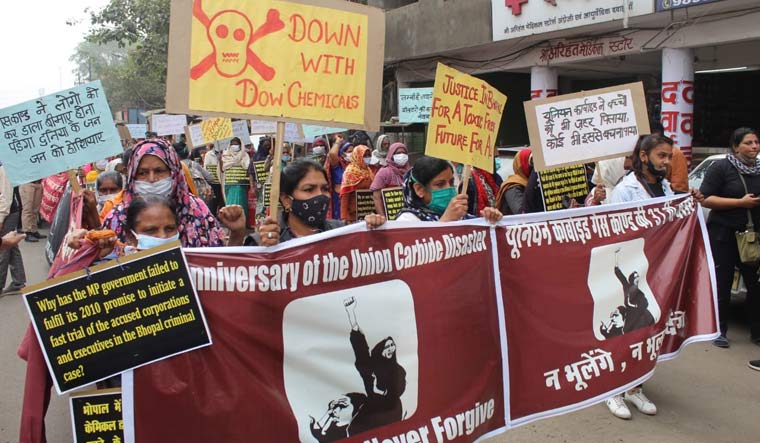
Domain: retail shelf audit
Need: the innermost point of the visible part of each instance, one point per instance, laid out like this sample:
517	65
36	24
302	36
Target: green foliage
127	49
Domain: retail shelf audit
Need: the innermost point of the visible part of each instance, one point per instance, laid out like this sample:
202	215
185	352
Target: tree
127	49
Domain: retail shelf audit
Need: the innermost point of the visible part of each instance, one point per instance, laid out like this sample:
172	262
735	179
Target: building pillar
543	82
677	112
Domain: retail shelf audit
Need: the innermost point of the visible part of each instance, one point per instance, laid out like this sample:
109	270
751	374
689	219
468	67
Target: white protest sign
240	130
167	124
263	127
586	126
137	130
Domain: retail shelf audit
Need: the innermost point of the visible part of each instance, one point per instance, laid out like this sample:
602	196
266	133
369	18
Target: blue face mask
286	158
441	199
148	242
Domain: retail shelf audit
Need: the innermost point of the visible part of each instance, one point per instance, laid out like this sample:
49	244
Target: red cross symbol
516	5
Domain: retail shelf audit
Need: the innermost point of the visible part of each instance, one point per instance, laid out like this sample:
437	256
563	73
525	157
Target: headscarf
232	159
196	225
357	171
743	168
397	170
379	153
261	153
608	173
521	167
413	203
342	151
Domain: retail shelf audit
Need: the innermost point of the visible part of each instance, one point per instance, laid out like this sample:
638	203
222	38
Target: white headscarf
608	173
379	154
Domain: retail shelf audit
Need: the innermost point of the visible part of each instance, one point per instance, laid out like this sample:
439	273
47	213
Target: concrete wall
430	26
389	4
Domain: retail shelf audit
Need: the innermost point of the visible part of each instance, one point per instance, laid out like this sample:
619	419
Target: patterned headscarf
521	168
413	203
196	225
357	171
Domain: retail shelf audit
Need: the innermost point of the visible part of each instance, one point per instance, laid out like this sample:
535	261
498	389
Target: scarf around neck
743	167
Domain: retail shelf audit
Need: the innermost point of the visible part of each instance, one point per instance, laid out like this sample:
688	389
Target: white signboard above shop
518	18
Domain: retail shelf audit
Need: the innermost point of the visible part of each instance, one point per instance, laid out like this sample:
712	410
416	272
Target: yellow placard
464	119
217	128
275	58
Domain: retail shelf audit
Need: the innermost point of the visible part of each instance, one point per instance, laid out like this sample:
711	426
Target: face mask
347	158
370	161
657	173
498	163
313	211
318	150
441	198
400	159
161	187
235	148
148	242
286	158
102	199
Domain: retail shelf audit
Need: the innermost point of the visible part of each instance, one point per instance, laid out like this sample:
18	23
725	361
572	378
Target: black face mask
659	175
313	212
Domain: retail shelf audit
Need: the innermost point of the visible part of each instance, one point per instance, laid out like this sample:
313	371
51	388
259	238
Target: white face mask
400	159
100	165
372	160
318	150
235	148
161	187
102	199
347	158
148	241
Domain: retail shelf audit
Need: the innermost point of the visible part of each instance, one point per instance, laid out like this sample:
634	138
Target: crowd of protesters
213	196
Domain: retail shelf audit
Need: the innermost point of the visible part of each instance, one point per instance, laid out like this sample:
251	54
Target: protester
319	150
730	202
155	169
200	176
10	255
391	175
382	146
651	158
10	240
305	197
286	158
235	162
356	177
510	197
607	175
430	195
108	186
211	163
262	152
31	199
337	160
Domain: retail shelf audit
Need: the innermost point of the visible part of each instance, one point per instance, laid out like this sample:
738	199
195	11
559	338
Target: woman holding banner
305	198
356	177
430	195
154	168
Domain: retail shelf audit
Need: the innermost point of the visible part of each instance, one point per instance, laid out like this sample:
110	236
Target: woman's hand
749	201
75	238
492	215
600	193
374	221
456	210
697	195
232	218
106	246
269	232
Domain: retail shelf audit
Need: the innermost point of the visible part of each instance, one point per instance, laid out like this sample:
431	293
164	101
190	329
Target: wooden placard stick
74	180
274	194
466	178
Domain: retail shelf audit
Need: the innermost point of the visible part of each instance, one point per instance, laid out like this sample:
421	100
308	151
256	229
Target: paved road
705	395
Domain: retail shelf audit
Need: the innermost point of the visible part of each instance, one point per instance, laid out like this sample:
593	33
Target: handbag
748	241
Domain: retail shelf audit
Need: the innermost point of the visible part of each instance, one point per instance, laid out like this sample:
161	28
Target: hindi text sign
464	119
96	416
57	132
311	60
556	184
586	126
119	316
167	124
414	105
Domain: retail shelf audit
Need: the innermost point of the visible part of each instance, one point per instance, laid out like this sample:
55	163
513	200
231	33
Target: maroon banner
603	296
382	336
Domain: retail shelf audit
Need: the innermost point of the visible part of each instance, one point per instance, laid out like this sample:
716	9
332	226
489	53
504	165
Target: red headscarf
357	171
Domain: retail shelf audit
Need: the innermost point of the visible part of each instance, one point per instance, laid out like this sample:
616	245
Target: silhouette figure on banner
384	383
634	312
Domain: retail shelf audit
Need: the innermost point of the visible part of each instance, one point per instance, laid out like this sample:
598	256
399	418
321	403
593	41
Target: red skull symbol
231	35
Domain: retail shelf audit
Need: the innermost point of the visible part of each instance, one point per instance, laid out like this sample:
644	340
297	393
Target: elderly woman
154	168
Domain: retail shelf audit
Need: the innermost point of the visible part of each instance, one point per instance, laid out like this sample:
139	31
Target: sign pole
74	180
466	178
274	193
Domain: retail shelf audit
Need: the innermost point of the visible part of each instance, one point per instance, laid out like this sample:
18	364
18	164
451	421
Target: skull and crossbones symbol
231	34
